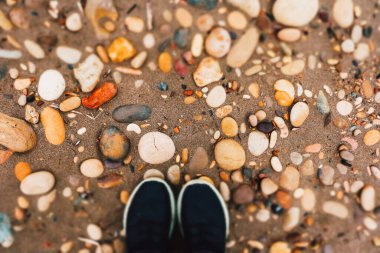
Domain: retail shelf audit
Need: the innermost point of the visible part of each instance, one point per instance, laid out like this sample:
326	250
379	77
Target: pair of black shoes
151	212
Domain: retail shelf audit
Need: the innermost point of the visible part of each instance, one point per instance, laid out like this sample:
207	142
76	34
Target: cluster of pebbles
288	134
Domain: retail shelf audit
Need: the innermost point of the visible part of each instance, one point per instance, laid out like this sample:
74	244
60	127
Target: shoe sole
223	204
171	198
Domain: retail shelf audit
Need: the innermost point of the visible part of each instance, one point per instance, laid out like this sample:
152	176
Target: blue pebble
180	37
5	228
203	4
163	86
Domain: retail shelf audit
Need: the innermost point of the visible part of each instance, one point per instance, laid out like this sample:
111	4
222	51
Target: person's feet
149	217
203	217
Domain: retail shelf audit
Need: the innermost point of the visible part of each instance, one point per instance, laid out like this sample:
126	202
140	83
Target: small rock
289	34
180	37
109	181
344	108
216	97
203	4
94	232
74	22
243	195
254	90
139	59
263	215
149	41
268	187
370	223
229	127
291	218
54	126
346	155
299	113
250	7
22	83
121	49
276	164
31	114
174	174
208	71
134	24
242	50
91	168
22	170
229	154
70	104
37	183
34	49
293	68
295	12
322	103
326	175
313	148
51	85
367	89
199	161
308	200
165	62
253	120
237	20
88	72
361	52
290	178
224	191
68	55
368	198
237	177
341	123
205	22
44	202
372	137
348	46
258	143
156	148
280	247
335	208
21	100
285	92
114	144
19	17
307	168
184	17
197	45
131	113
265	127
218	42
296	158
153	173
343	13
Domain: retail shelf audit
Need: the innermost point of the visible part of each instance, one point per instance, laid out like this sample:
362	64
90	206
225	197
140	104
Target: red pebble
100	96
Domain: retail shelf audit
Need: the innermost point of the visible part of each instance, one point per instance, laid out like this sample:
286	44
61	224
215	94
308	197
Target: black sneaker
149	217
202	217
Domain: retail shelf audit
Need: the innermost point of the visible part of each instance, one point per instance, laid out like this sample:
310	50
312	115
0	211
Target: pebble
367	89
335	208
243	195
216	97
372	137
200	160
326	175
229	127
276	164
114	144
74	22
109	181
197	45
94	232
131	113
121	49
21	100
225	191
149	41
285	92
184	17
343	13
237	177
68	55
242	50
139	59
37	183
174	174
290	178
313	148
31	114
308	200
263	215
356	33
254	90
208	71
218	42
134	24
51	85
299	113
53	125
250	7
289	34
280	247
229	154
10	54
268	187
293	68
153	173
165	62
205	22
88	72
258	143
265	127
91	168
253	120
237	20
44	202
370	223
34	49
22	170
22	83
348	46
368	198
295	12
322	103
180	37
344	108
291	218
361	52
70	104
346	155
156	148
203	4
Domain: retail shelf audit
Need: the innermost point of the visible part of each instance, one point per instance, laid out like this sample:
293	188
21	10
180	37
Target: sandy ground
45	232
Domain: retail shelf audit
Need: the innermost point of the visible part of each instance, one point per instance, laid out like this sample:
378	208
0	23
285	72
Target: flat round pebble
216	97
344	108
51	85
295	12
237	20
218	42
156	148
335	208
372	137
258	143
229	154
290	178
184	17
37	183
94	232
296	158
300	111
229	127
68	55
91	168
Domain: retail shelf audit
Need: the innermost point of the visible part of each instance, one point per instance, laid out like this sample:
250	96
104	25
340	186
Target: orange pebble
22	169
